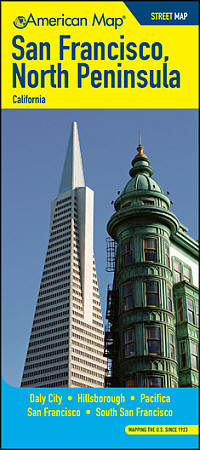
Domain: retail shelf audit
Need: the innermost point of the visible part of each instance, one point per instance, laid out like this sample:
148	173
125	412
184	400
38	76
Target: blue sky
34	146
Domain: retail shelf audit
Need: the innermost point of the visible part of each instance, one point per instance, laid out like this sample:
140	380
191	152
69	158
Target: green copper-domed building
152	308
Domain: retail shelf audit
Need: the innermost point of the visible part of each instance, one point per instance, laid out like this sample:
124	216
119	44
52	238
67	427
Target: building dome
142	182
141	173
141	189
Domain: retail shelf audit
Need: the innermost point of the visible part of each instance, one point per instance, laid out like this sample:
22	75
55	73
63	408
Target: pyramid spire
72	175
71	291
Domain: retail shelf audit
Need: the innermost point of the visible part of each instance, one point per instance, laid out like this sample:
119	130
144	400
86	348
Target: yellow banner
162	429
94	55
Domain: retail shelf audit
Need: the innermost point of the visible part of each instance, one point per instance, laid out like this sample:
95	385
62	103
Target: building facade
151	338
67	338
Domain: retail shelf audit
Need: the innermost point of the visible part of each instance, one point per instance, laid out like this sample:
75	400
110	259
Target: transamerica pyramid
67	338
